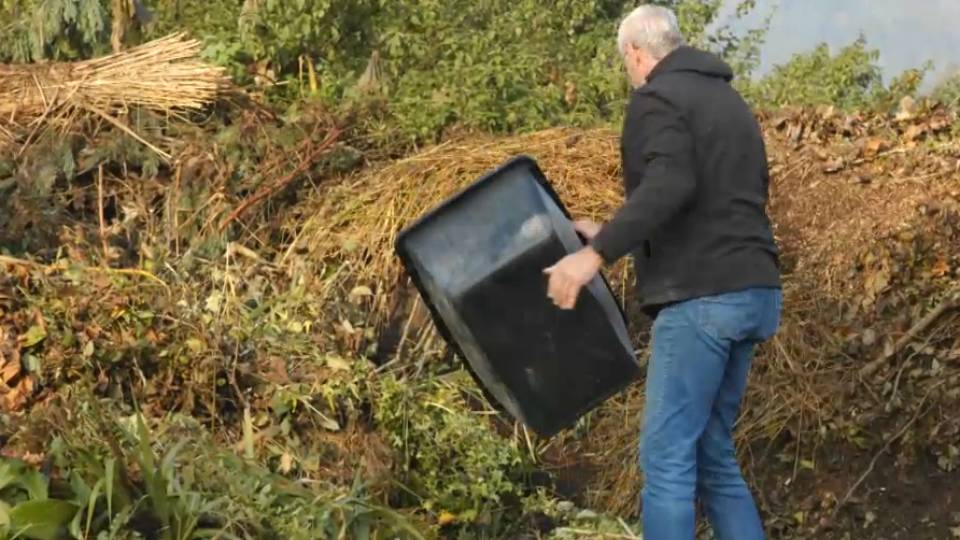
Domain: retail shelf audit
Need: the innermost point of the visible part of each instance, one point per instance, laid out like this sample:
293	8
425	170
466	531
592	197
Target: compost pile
866	212
236	268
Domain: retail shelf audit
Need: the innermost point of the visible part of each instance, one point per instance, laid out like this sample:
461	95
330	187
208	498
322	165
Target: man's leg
686	368
744	319
725	496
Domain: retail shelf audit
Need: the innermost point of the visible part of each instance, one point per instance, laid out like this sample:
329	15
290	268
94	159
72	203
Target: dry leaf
18	396
278	373
914	132
834	165
873	147
361	291
286	462
9	369
940	268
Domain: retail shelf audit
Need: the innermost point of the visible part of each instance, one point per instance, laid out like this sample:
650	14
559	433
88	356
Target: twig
903	367
947	304
873	462
891	152
128	131
103	228
406	327
39	123
267	191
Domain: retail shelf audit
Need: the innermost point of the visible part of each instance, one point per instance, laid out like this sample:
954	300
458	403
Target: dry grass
352	223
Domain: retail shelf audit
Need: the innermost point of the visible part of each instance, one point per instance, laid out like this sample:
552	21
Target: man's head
646	36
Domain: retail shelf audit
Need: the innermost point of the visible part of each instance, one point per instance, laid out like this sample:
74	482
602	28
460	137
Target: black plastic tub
478	259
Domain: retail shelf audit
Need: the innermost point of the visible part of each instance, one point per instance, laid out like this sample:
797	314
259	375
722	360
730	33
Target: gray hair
651	28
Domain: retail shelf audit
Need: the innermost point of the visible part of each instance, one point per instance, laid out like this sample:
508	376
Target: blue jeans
696	378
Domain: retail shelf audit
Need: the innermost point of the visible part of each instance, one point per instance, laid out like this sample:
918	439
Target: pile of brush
164	76
838	187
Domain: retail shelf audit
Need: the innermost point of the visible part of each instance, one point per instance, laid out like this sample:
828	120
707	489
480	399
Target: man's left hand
570	274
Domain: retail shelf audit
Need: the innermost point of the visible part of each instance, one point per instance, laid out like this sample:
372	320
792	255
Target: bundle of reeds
164	75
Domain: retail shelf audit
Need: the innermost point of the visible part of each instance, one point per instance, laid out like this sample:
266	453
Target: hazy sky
906	32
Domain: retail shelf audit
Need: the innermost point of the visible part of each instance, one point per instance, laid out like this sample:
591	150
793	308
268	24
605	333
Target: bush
849	79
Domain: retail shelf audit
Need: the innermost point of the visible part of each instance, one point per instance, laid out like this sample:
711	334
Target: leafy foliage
948	91
58	29
453	460
118	479
849	79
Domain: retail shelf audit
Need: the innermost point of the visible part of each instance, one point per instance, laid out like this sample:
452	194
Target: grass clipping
164	75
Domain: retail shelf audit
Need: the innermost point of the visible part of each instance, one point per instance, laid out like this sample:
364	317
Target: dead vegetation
243	281
866	213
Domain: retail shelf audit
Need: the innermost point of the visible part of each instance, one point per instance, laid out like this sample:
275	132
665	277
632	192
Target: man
696	178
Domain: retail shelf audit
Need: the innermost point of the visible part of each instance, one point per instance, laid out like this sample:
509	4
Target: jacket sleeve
657	145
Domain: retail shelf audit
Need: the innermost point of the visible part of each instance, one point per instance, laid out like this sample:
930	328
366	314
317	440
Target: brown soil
894	501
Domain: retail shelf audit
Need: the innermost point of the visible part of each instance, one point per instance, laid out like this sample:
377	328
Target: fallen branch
267	191
946	305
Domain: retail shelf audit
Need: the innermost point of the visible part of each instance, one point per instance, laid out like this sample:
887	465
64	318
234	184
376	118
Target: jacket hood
689	59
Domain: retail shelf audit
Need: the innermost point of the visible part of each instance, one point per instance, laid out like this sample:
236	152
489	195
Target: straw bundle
164	75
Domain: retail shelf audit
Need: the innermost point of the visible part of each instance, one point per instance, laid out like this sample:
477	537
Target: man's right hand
587	228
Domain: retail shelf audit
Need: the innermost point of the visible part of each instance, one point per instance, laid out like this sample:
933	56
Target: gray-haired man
695	173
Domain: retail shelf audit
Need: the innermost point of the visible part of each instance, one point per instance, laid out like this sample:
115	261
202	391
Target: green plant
453	461
947	91
426	66
60	29
120	478
849	79
26	510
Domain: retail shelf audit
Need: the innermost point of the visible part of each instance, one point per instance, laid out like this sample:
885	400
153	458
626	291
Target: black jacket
695	174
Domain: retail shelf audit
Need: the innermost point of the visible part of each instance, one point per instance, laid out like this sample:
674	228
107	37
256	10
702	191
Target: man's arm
657	136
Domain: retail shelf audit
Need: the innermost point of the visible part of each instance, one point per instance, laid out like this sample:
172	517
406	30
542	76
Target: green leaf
152	475
41	520
67	164
14	472
4	516
92	504
32	363
35	334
